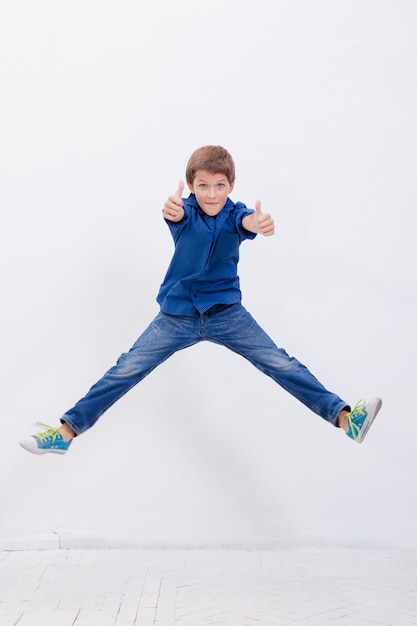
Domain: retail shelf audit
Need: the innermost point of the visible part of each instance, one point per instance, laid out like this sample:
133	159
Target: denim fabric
233	328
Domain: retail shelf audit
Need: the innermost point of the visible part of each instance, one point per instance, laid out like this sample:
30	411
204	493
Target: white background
101	105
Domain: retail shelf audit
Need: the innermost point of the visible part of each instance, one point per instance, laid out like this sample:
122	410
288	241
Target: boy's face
211	191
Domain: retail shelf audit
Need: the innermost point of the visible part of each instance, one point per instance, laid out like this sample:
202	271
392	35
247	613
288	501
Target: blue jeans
233	328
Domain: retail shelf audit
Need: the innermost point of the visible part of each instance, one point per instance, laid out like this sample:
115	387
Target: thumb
258	208
180	189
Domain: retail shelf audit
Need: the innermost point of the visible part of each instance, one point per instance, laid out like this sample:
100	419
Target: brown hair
214	159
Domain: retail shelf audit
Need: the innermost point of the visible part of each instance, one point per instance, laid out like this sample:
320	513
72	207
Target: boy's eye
205	185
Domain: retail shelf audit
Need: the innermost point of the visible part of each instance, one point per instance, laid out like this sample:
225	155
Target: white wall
102	104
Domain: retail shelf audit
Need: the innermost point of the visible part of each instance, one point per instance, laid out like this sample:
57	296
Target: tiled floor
195	588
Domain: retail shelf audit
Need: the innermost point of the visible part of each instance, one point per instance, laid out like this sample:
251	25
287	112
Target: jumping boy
200	300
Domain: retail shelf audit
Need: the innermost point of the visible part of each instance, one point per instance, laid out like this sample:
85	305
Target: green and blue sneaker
361	418
48	441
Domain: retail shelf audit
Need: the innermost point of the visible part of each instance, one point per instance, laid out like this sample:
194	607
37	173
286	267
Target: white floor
233	588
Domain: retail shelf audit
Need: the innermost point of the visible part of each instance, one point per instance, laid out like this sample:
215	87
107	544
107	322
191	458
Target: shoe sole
26	445
373	408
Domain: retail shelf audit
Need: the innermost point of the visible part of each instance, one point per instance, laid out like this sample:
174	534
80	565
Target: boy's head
210	176
212	159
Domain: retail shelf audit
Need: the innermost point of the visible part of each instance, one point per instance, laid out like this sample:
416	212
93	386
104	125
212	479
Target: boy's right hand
173	207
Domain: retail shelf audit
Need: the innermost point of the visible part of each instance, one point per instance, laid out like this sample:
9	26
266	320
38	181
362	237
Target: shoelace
50	433
358	409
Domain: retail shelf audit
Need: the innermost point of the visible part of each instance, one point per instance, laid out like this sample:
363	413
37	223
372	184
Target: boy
200	300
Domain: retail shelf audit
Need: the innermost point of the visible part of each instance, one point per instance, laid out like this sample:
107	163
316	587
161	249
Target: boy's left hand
263	222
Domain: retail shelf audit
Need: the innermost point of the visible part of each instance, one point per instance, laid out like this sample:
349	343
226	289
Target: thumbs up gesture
173	207
259	222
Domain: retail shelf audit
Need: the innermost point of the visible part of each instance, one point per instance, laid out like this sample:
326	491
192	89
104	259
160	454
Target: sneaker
361	418
48	441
